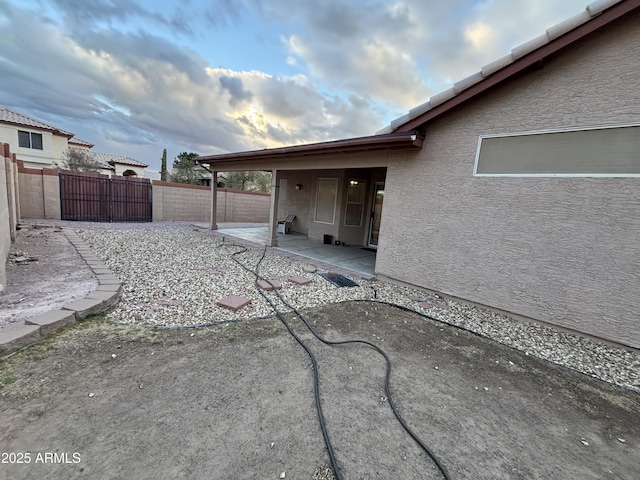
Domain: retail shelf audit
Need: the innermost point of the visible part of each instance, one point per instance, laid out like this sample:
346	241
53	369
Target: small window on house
356	190
30	140
326	200
593	152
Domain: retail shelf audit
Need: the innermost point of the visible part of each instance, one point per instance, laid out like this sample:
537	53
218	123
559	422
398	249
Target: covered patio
352	260
330	189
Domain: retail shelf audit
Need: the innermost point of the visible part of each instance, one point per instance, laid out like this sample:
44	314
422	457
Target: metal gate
97	198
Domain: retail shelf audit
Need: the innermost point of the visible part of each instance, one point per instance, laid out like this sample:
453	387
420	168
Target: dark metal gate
98	198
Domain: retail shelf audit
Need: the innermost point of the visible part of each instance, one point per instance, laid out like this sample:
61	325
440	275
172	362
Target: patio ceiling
318	155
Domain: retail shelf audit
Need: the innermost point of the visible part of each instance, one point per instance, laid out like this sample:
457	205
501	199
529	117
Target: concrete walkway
347	259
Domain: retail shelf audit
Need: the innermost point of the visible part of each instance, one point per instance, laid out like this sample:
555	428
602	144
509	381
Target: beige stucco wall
560	250
192	203
302	203
296	202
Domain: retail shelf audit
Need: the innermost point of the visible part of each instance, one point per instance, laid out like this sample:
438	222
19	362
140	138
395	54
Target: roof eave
394	141
54	131
527	61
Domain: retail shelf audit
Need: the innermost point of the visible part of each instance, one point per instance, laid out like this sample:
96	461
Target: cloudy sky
213	76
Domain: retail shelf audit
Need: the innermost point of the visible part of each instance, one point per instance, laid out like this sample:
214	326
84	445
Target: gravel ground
173	274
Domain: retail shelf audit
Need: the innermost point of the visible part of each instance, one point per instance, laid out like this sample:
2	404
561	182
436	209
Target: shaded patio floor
351	258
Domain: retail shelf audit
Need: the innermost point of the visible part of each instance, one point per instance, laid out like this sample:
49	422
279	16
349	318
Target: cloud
235	88
351	66
139	89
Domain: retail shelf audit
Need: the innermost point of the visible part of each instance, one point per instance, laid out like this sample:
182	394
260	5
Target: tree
254	181
163	168
185	170
80	160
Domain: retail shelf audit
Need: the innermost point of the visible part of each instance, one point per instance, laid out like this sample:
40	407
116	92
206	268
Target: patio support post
214	199
272	241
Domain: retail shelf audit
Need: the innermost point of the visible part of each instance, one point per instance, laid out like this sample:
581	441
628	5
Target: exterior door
376	214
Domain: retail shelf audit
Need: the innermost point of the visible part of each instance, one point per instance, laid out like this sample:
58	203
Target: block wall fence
9	207
40	198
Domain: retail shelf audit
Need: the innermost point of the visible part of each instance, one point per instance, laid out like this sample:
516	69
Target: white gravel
173	274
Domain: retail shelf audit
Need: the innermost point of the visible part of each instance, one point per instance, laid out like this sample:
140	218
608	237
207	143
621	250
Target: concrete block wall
192	203
40	198
180	202
39	192
9	212
240	206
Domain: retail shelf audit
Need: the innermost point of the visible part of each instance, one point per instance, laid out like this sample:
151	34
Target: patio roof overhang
317	155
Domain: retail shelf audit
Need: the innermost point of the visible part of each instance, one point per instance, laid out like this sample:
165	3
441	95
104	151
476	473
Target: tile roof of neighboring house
534	50
15	118
107	160
77	141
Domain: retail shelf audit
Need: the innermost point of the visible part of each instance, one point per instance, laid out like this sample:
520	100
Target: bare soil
44	272
107	401
236	401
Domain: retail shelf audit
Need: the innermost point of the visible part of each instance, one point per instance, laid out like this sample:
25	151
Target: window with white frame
356	190
29	140
589	152
326	200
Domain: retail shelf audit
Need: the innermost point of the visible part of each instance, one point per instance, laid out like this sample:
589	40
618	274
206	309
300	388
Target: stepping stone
233	302
299	280
269	285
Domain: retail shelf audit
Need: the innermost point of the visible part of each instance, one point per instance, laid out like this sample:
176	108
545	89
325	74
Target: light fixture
298	186
353	183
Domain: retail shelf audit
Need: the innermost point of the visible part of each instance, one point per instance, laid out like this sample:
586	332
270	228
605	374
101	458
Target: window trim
549	131
335	201
30	134
360	203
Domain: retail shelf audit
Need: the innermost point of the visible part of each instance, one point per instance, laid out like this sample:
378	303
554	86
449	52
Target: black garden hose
316	385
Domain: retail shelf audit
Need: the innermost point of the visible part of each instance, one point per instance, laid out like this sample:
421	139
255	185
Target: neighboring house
40	145
518	188
119	165
75	142
36	143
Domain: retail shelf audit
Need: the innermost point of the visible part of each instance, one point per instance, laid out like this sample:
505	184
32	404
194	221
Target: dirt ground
44	272
106	401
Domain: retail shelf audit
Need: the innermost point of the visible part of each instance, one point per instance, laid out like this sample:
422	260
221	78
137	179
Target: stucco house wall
296	202
52	146
120	169
559	250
